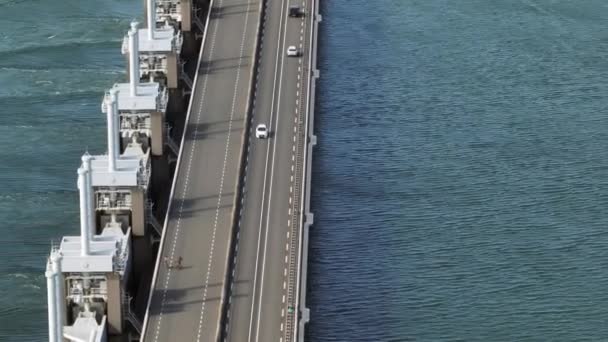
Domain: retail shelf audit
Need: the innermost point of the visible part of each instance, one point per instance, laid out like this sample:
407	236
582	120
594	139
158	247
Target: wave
6	3
62	47
44	69
31	286
18	275
94	92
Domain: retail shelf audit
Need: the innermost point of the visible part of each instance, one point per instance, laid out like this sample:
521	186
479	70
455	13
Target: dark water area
459	181
460	177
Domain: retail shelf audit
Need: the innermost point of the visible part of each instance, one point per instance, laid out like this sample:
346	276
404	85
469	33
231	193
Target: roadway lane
266	261
255	188
185	304
276	314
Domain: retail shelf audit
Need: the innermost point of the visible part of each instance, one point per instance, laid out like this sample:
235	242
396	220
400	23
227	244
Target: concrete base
172	71
186	15
138	212
114	305
157	126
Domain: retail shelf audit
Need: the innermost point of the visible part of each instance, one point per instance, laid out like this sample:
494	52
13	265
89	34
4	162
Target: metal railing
127	312
113	199
169	140
162	100
151	219
156	65
168	8
120	261
79	293
135	122
183	75
143	177
295	264
296	220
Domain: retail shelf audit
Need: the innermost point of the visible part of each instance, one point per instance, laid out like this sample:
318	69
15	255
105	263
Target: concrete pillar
138	212
86	164
151	15
51	303
114	308
60	309
133	59
84	217
173	72
112	132
114	99
157	138
186	8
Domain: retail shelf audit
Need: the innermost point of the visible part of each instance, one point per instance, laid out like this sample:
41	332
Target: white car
292	51
261	132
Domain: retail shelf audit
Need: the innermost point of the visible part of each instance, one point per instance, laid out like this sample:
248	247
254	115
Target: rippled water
461	173
459	177
56	59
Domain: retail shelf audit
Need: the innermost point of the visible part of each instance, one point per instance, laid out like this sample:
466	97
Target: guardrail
303	312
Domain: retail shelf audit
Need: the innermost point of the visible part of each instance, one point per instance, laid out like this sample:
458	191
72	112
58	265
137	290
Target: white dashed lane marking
295	137
219	200
184	191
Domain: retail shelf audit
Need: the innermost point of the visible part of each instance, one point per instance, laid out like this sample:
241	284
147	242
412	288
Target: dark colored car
295	11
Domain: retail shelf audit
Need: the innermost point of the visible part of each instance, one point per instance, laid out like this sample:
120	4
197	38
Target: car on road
293	51
295	11
261	131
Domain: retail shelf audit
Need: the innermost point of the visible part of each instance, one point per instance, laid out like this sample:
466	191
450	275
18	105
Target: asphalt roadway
266	259
185	303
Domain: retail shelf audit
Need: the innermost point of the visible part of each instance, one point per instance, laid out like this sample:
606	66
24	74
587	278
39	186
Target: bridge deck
185	303
263	300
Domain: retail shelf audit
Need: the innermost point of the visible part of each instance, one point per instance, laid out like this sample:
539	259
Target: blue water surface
459	181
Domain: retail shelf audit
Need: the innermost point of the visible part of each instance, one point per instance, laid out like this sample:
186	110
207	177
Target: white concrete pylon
133	59
51	303
111	131
59	294
114	101
84	218
151	14
86	164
